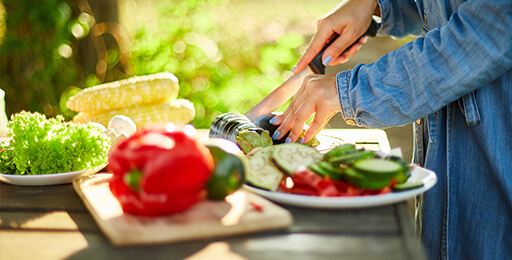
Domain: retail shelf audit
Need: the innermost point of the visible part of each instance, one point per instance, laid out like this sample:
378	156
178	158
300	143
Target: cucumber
403	176
351	157
326	169
355	178
240	130
407	186
378	168
340	150
288	157
262	172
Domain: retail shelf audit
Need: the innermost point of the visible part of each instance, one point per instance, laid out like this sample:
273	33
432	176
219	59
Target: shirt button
418	121
350	122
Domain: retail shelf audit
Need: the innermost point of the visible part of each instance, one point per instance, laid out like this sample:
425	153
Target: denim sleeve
399	18
469	51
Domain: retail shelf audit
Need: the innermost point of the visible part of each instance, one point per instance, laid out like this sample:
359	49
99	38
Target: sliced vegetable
378	168
407	186
288	157
405	174
339	151
262	171
323	186
306	182
352	157
360	180
324	168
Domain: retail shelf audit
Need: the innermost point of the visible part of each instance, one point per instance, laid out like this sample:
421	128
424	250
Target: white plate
45	179
417	174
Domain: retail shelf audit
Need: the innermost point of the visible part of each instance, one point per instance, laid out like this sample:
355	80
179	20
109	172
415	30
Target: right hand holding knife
314	94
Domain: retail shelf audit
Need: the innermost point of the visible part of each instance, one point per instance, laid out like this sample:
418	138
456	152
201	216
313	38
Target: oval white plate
45	179
417	174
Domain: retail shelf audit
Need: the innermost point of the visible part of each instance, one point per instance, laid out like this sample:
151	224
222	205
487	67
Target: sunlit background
227	54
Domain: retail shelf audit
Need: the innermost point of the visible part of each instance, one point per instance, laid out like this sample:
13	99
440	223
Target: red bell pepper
156	172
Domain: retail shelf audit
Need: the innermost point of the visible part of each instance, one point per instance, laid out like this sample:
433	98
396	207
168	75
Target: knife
316	64
288	89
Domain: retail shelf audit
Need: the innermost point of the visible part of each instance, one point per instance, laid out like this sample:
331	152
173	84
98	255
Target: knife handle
316	64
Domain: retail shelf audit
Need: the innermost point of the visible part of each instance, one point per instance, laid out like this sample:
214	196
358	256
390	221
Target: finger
319	122
280	121
363	40
318	41
300	114
351	51
340	45
285	121
341	59
283	124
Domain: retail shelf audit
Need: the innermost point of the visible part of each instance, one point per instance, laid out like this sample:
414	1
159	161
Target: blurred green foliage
217	72
42	55
33	74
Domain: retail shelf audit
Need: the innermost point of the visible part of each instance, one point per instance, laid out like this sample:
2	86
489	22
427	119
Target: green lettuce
41	145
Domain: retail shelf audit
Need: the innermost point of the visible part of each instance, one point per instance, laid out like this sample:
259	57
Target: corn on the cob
150	89
179	111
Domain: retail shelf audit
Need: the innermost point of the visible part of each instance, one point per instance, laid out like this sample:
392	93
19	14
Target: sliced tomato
307	182
324	186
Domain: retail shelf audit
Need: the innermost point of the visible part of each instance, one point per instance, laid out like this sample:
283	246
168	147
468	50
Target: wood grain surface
236	215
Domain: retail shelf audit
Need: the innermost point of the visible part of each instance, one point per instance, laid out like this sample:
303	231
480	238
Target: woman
454	83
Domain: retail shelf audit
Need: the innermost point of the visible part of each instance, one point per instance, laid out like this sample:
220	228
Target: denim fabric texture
456	78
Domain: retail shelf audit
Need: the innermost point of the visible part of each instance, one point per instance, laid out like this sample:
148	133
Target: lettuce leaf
43	146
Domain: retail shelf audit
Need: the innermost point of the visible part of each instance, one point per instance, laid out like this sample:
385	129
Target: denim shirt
455	83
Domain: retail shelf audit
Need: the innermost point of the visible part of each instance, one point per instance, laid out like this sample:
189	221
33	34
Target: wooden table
51	222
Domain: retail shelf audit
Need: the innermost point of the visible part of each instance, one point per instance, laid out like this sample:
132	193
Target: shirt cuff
342	86
384	15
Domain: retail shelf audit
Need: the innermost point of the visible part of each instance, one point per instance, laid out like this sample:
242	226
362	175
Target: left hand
318	96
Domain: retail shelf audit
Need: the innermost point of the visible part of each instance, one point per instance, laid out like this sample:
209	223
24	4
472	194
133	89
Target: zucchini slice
288	157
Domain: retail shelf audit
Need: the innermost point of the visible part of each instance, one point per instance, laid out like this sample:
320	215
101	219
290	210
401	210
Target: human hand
318	96
279	96
349	21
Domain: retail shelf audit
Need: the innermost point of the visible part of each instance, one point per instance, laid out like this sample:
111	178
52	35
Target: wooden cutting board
238	214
